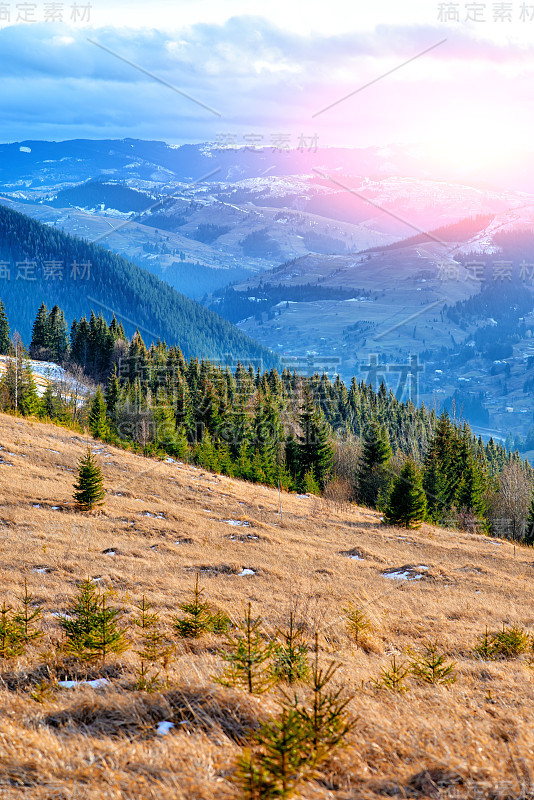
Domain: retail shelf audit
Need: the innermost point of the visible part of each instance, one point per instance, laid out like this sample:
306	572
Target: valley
258	218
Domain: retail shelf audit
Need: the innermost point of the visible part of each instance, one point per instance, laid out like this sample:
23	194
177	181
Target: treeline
235	305
460	231
307	434
91	344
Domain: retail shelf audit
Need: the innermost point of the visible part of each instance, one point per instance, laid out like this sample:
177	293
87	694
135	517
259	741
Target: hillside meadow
163	524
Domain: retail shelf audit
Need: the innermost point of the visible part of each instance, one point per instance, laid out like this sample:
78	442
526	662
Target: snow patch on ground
164	727
403	576
407	573
246	571
97	683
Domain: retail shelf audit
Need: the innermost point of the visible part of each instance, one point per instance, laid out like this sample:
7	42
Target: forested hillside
96	193
304	434
39	264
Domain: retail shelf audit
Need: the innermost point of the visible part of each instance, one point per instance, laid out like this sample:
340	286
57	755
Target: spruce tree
443	468
89	488
4	331
376	447
108	636
374	479
92	629
97	416
56	334
28	616
48	404
249	656
27	397
471	488
112	396
315	452
81	622
40	331
407	502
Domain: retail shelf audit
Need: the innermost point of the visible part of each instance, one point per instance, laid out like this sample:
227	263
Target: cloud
57	84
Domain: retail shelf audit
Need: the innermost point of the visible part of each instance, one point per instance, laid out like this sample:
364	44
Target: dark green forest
39	264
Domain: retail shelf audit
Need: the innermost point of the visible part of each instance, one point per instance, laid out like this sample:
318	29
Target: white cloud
260	77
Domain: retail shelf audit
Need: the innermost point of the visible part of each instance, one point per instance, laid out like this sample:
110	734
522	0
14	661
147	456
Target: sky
453	79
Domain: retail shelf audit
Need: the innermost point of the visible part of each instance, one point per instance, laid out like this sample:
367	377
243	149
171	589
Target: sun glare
475	143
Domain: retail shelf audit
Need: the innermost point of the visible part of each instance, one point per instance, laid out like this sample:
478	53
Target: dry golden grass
474	739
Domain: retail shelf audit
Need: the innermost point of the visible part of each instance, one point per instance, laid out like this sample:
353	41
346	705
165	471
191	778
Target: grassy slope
88	743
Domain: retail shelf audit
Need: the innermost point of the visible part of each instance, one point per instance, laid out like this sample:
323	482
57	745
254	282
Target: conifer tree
324	718
80	623
48	404
471	488
91	627
374	479
17	384
4	331
97	416
89	487
376	447
407	502
27	397
290	661
155	650
442	468
108	635
249	656
56	334
28	616
11	640
112	395
197	621
315	452
165	425
40	331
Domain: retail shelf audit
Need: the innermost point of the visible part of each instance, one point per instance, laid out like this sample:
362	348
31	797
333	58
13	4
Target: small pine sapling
324	719
392	677
431	666
507	643
109	635
219	621
201	618
358	624
249	657
45	691
11	640
484	647
155	650
251	778
284	754
290	661
28	616
290	749
80	624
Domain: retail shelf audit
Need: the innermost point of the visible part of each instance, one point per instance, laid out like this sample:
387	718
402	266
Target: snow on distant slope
47	372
